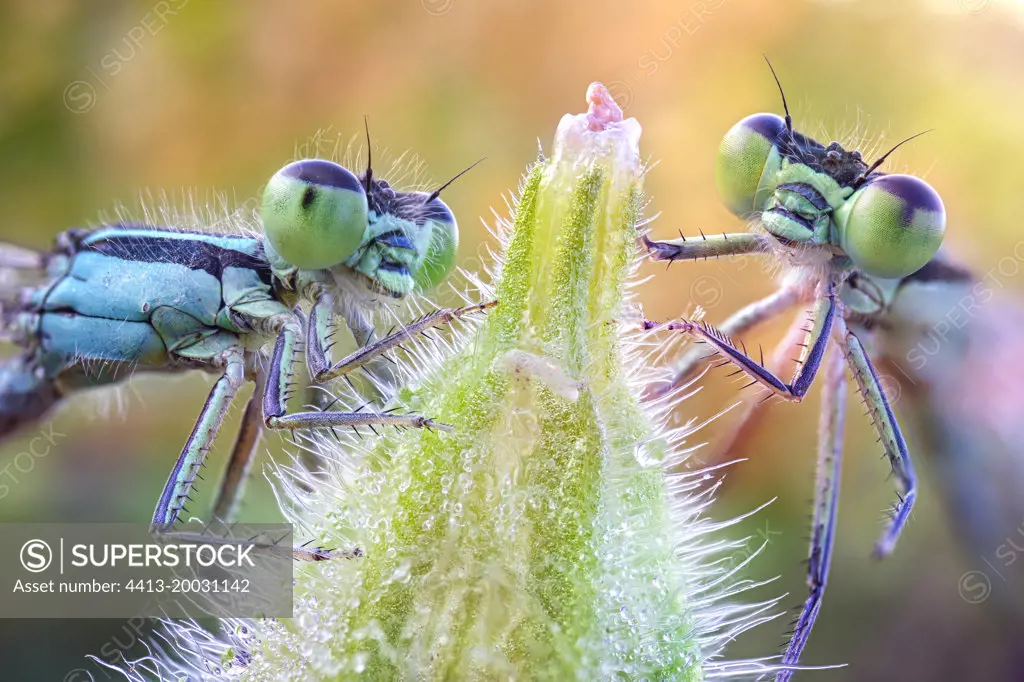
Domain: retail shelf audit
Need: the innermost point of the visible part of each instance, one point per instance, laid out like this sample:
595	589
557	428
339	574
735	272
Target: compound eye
315	213
744	156
894	226
439	258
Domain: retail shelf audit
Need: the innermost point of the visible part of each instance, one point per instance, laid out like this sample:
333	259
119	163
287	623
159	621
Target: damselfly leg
272	393
242	455
889	435
181	483
318	351
704	247
826	504
745	319
821	320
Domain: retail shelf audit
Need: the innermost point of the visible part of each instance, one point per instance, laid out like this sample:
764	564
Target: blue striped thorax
139	296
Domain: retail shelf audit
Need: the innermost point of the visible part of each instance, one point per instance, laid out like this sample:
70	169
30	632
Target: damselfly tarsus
847	234
106	303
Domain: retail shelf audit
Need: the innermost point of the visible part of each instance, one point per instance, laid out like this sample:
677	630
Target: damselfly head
807	193
317	215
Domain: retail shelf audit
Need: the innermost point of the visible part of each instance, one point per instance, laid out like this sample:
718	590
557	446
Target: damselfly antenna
437	192
785	107
369	156
864	176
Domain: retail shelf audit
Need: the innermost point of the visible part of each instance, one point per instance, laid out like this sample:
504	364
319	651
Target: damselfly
123	298
847	235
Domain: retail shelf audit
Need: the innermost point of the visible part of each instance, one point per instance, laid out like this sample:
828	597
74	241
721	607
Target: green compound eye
314	213
892	226
439	257
747	152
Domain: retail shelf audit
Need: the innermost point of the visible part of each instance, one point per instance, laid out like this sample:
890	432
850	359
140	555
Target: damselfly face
808	194
319	215
410	241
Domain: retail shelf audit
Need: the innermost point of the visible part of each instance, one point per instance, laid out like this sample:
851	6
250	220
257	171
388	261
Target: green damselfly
848	236
108	302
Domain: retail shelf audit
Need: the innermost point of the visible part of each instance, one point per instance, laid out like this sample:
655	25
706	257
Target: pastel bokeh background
103	101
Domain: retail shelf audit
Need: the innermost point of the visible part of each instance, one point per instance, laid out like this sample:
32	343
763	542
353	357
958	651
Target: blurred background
102	101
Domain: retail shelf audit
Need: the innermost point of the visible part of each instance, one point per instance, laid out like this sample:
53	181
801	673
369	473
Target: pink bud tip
602	109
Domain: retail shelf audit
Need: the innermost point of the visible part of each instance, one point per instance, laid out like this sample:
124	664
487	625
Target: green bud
539	539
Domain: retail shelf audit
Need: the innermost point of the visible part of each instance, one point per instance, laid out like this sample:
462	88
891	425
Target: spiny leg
186	468
889	435
752	404
275	396
321	328
826	505
318	354
822	317
320	332
714	246
180	482
372	354
242	455
739	322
